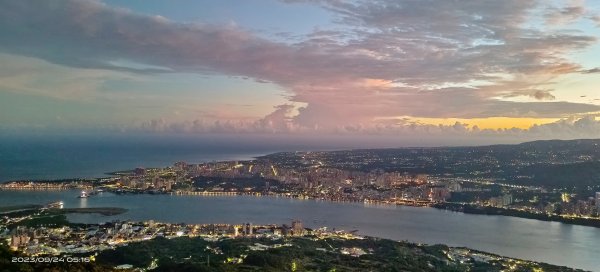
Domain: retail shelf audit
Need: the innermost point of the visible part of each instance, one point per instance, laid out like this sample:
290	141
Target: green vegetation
17	208
43	221
308	253
298	254
303	254
57	217
581	175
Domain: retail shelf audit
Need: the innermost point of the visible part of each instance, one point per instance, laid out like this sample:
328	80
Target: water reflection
551	242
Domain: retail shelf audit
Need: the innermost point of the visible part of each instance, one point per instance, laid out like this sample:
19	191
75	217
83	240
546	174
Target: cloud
596	19
571	128
277	121
37	77
573	11
533	93
568	128
591	71
386	58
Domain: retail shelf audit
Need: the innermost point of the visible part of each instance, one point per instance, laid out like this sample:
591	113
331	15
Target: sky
448	71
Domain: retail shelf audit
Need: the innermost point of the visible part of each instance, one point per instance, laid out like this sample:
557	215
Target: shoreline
134	237
453	207
485	210
106	211
356	206
492	211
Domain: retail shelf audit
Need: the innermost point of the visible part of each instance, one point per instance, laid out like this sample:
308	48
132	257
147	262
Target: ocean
93	155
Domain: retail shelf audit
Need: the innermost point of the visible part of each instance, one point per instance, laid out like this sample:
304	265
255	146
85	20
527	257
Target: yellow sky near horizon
488	123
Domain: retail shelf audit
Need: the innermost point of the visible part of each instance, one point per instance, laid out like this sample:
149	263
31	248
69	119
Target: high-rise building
598	200
180	166
507	200
297	228
17	241
438	194
565	197
248	229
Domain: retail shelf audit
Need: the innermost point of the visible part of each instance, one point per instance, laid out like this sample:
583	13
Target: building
19	238
501	201
17	241
438	194
297	228
597	200
455	187
248	229
180	166
566	197
507	200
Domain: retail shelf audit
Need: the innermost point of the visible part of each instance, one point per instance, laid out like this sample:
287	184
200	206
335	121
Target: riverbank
106	211
455	207
19	208
214	248
502	235
464	208
486	210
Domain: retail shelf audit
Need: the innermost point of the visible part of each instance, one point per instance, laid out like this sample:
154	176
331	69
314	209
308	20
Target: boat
83	194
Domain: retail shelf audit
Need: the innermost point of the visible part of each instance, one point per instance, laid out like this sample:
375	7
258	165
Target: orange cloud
375	83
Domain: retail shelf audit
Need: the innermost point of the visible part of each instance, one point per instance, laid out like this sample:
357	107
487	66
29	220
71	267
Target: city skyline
451	73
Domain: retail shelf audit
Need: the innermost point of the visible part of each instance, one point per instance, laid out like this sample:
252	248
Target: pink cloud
390	58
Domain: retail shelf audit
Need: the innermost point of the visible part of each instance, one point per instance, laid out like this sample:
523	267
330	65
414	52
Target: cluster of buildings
504	200
144	183
568	205
312	178
30	185
309	182
588	207
68	239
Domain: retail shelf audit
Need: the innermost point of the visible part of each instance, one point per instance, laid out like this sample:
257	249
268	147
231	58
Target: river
551	242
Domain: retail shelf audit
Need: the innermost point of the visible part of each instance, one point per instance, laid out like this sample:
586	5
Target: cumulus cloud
277	121
568	128
388	58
